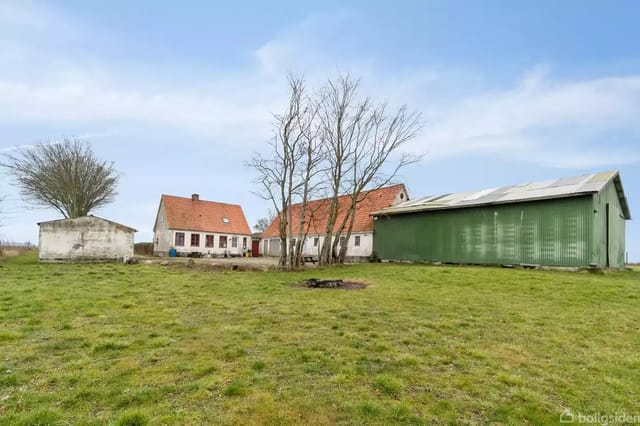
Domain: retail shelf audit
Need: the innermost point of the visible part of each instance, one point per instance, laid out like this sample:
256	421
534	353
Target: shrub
132	418
388	385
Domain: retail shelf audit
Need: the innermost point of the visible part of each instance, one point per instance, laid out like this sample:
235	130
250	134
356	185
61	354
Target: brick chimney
195	197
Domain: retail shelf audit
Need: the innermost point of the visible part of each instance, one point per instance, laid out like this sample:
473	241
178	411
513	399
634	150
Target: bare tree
271	175
338	143
65	175
263	223
339	115
284	174
362	139
311	165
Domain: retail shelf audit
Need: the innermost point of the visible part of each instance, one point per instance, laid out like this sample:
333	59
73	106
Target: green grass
142	344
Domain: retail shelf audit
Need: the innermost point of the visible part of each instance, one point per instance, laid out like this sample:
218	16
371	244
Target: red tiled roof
371	201
207	216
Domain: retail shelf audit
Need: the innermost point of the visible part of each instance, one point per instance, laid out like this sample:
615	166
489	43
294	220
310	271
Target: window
356	241
234	242
343	241
244	242
195	240
316	241
179	239
225	220
223	241
208	241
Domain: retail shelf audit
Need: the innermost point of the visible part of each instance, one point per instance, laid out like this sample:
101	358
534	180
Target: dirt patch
217	264
333	284
215	267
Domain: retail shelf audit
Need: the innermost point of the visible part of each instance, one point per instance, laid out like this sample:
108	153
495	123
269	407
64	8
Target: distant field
10	251
129	344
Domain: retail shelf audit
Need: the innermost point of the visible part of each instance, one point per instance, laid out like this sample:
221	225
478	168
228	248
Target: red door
255	248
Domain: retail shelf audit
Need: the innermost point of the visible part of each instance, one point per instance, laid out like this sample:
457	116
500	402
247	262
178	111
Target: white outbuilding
85	239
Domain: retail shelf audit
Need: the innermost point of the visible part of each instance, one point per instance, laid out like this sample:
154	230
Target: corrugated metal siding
550	232
617	246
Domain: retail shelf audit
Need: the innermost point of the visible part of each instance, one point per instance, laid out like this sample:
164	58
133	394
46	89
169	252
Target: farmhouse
360	244
576	221
192	225
85	239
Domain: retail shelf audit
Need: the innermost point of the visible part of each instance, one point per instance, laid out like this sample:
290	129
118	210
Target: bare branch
362	137
287	173
65	176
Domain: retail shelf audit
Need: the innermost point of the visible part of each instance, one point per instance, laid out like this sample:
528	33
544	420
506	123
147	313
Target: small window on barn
343	241
316	241
195	240
234	242
225	220
356	241
208	241
223	241
179	239
244	242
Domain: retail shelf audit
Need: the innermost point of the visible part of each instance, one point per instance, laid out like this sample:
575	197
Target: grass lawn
129	344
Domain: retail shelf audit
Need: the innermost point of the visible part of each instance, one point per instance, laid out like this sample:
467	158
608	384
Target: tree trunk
343	249
326	253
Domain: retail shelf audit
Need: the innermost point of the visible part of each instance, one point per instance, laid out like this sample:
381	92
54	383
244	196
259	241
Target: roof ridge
363	221
349	195
567	186
204	201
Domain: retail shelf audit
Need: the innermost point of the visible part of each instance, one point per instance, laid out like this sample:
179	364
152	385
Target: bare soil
332	284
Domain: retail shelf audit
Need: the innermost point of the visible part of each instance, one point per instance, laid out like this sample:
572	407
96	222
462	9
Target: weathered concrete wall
84	239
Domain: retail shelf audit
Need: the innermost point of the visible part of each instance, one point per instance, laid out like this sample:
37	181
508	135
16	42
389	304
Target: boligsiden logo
599	418
566	416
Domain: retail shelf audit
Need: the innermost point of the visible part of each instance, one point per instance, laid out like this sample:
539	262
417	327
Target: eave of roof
400	209
560	188
623	199
127	228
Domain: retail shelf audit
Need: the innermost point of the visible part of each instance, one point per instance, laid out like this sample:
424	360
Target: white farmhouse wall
162	234
216	250
271	246
84	239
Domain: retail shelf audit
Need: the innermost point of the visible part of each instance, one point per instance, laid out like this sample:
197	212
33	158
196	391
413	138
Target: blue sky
179	95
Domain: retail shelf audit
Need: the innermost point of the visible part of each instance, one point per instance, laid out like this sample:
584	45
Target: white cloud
76	102
25	17
559	124
313	47
554	123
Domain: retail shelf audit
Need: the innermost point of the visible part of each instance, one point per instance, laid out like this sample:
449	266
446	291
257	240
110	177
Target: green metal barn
577	221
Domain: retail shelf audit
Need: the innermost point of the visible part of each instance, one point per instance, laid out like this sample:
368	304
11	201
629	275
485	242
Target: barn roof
118	225
557	188
208	216
370	201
